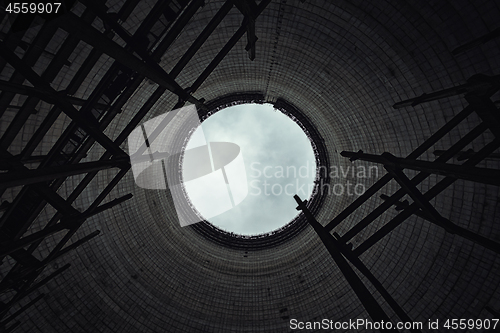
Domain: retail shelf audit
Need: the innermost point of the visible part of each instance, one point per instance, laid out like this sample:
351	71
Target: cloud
268	137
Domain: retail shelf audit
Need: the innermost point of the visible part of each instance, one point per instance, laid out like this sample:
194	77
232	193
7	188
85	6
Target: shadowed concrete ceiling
343	64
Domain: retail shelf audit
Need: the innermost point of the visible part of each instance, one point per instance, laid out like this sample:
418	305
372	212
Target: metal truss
478	91
134	62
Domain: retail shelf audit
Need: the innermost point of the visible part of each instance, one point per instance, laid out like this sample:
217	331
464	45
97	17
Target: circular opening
250	161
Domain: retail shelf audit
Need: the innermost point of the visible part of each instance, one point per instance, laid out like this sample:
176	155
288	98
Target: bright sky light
275	161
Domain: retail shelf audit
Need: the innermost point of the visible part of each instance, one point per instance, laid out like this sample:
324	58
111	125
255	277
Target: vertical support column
370	304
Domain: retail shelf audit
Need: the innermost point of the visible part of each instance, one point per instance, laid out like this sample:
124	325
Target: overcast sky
267	138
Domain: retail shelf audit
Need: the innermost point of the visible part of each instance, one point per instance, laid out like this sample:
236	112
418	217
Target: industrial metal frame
41	176
477	90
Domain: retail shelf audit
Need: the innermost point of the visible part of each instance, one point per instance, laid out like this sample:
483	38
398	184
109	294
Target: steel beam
249	9
71	247
465	155
177	28
12	327
26	259
53	97
334	248
478	84
469	137
480	175
91	209
127	9
21	310
34	91
48	75
487	111
477	42
386	178
11	246
476	238
225	49
35	50
358	202
54	113
419	198
108	190
7	164
434	191
51	157
76	221
74	25
132	43
46	279
81	74
25	177
28	288
151	19
106	206
202	37
119	140
251	39
346	251
46	192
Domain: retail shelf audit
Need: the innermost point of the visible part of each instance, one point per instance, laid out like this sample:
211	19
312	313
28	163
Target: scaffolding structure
478	91
136	61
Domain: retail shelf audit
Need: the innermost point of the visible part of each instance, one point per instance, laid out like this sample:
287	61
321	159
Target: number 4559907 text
38	8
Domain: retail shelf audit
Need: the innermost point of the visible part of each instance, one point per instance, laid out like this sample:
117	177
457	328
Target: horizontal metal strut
25	177
484	84
480	175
